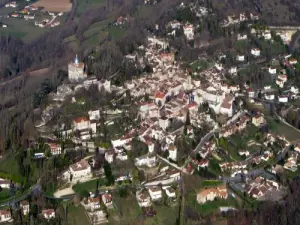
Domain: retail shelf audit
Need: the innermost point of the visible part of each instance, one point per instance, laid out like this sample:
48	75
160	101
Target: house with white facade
272	70
48	213
172	152
5	216
242	37
94	203
149	160
107	200
209	194
227	106
24	205
80	169
240	58
255	52
55	148
283	98
258	119
188	30
94	114
155	193
109	156
143	198
170	192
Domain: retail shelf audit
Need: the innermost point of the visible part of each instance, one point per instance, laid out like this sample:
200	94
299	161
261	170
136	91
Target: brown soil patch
54	5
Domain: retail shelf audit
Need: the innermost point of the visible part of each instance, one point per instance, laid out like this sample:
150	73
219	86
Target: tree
108	174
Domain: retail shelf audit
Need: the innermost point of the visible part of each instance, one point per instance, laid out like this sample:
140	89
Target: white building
25	207
170	192
94	203
76	71
267	35
48	213
155	193
188	30
81	123
4	183
107	200
80	169
173	152
240	58
295	90
5	216
109	156
227	106
55	148
283	98
143	198
272	70
255	52
149	160
104	84
242	37
233	70
210	194
94	115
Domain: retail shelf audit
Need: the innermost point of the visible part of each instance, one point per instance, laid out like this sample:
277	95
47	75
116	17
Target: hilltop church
76	71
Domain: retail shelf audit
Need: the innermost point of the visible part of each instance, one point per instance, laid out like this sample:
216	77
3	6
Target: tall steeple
76	61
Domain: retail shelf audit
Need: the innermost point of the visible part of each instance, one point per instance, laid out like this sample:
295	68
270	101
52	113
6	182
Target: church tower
76	71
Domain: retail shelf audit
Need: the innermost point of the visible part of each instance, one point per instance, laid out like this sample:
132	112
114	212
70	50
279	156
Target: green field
20	28
89	185
164	215
210	206
76	215
85	5
128	211
282	129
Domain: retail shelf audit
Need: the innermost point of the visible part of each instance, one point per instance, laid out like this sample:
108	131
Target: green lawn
20	28
116	32
282	129
128	211
199	65
85	5
4	194
76	215
165	215
89	185
211	183
210	206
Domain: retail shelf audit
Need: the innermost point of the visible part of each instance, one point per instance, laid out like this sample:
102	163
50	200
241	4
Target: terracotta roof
94	200
81	119
4	212
159	94
47	211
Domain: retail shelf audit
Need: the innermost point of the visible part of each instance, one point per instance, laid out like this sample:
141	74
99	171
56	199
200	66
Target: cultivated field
54	5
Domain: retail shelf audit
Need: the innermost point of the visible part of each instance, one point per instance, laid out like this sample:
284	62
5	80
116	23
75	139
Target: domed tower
76	71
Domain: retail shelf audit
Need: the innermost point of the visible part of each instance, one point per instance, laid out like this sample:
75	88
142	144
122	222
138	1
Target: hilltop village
202	135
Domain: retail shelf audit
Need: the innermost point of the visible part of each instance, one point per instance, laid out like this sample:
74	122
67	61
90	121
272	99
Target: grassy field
4	194
128	211
165	215
200	65
85	5
210	206
76	215
22	29
282	129
89	185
